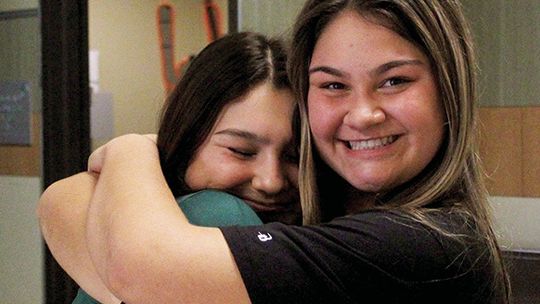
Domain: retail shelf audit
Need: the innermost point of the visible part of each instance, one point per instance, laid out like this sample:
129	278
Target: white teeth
371	143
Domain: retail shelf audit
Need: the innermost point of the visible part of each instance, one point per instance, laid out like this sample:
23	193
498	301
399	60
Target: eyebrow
244	134
377	71
327	70
394	64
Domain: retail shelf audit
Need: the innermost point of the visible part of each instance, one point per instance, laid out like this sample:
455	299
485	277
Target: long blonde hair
454	178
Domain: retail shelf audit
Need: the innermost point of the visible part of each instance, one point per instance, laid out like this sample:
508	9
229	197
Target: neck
357	201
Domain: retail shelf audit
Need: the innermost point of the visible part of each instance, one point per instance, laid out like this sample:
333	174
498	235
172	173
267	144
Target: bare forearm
62	212
141	242
131	195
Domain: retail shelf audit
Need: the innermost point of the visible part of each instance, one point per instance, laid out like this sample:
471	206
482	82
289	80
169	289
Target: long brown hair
221	73
454	178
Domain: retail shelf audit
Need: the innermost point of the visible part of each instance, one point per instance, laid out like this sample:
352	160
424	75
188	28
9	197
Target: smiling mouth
371	144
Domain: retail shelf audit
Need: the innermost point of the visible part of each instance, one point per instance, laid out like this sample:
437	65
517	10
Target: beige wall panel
501	150
125	34
23	160
531	151
15	5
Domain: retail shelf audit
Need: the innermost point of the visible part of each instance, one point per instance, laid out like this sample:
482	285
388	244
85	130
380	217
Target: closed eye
242	153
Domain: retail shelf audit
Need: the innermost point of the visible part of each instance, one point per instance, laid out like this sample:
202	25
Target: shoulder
212	208
441	248
387	253
391	242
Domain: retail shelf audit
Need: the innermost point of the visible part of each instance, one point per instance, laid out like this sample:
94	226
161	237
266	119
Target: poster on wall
15	113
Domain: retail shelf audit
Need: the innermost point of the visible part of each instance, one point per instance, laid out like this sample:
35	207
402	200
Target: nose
270	178
364	113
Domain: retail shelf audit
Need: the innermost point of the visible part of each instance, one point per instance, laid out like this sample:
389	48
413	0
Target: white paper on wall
15	113
93	60
101	116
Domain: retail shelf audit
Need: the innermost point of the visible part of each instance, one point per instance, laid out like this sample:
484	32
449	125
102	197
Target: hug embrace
346	166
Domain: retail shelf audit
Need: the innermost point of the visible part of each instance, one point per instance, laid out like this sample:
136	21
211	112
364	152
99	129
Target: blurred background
114	48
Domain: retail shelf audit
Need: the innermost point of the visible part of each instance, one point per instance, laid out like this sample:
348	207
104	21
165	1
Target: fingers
97	158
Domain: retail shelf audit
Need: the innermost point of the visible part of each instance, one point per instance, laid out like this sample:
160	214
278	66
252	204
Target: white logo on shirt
264	237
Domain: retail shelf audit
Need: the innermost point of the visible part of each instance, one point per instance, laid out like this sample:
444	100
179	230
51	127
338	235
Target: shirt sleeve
212	208
379	255
83	298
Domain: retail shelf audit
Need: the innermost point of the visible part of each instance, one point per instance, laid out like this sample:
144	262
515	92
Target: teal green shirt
209	208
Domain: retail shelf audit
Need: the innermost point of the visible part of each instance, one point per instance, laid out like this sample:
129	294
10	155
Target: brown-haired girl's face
373	104
250	153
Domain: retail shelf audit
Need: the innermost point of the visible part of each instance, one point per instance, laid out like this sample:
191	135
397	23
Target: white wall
21	248
274	17
517	222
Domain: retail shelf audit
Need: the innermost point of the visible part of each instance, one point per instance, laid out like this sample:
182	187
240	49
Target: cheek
194	177
433	110
210	169
217	173
428	123
435	137
433	118
322	118
201	170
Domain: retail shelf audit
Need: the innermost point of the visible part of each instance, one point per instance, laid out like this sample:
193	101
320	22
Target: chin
371	187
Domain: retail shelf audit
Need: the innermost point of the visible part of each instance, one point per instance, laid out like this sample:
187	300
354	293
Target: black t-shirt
371	257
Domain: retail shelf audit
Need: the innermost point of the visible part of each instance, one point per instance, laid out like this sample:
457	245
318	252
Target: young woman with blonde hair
387	92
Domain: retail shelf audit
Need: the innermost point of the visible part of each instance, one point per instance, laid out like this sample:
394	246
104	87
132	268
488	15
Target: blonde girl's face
373	104
251	153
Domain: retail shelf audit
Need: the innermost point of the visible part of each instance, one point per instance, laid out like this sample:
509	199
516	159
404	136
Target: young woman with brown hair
387	93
